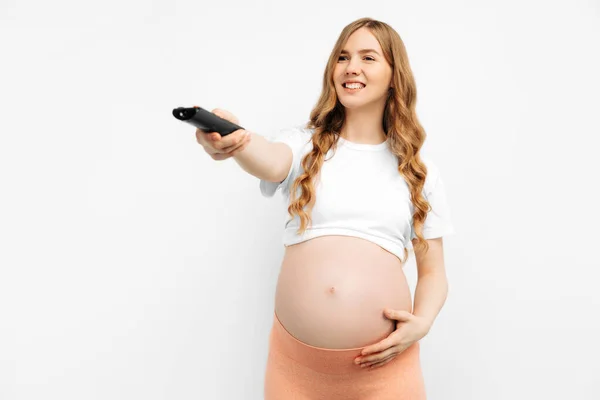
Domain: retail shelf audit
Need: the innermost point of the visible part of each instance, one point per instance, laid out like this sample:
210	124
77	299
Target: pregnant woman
360	195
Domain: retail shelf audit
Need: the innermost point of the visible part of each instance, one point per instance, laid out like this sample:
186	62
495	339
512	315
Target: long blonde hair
404	132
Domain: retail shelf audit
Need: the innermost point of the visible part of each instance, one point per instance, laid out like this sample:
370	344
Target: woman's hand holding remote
222	148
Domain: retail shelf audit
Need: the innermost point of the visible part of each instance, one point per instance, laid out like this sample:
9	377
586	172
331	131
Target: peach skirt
298	371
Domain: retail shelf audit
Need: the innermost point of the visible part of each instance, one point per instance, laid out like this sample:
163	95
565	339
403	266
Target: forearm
430	295
257	158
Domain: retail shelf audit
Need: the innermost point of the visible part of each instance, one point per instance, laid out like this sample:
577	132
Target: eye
369	57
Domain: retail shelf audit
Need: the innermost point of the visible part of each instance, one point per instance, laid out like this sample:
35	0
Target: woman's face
368	67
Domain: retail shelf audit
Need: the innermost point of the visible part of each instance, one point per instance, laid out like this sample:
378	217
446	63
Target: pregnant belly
332	290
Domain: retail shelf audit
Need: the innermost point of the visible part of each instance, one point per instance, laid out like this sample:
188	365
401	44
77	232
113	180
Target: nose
353	68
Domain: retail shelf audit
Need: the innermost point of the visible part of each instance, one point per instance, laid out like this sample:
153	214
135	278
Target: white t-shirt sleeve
438	222
296	138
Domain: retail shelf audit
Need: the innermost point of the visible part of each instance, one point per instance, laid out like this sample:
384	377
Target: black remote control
205	120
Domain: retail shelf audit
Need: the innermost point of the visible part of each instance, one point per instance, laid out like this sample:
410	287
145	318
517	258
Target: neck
364	125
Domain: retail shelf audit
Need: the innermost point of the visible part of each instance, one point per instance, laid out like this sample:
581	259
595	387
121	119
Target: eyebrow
362	51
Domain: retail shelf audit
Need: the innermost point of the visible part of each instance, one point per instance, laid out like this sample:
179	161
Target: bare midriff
332	290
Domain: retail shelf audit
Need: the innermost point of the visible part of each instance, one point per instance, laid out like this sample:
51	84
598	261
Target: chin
353	103
352	106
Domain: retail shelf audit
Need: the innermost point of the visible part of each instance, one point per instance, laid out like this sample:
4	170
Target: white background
133	266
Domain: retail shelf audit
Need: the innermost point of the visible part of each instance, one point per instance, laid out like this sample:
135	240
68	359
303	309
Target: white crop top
361	194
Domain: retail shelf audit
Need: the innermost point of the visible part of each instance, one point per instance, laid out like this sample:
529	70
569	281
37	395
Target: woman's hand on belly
410	329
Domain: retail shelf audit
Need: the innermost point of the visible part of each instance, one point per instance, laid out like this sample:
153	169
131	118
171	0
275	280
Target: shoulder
297	136
297	132
431	165
302	132
433	173
294	136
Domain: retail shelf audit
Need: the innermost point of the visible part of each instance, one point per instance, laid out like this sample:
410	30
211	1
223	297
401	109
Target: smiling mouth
360	87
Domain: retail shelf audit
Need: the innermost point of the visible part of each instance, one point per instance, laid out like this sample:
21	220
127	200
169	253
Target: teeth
354	85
